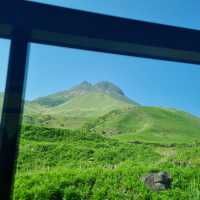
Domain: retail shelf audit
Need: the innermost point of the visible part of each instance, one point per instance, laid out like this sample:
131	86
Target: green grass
55	121
72	108
59	147
89	105
149	124
74	113
102	183
77	164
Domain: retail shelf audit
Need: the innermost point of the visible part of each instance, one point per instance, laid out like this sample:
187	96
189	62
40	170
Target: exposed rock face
157	181
108	87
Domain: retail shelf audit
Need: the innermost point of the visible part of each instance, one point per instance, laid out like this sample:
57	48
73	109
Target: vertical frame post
12	110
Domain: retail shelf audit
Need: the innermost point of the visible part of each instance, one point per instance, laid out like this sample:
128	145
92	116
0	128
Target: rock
157	181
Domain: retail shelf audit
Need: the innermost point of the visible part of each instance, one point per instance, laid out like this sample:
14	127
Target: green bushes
101	183
39	133
58	164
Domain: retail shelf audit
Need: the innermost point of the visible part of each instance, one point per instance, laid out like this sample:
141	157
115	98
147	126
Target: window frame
25	22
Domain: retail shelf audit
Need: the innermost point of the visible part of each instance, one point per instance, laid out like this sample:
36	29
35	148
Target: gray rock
157	181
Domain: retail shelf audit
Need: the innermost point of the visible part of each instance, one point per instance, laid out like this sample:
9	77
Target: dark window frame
24	22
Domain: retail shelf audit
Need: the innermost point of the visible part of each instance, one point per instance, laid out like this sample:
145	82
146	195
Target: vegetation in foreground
64	164
113	141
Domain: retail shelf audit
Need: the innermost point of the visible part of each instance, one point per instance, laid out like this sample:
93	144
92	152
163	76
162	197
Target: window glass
100	126
171	12
4	54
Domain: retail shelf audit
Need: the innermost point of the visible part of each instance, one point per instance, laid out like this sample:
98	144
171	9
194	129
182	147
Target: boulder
157	181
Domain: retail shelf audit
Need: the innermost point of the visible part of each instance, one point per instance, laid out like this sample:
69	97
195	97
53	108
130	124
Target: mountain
81	164
113	91
104	108
148	124
119	143
82	89
64	96
72	108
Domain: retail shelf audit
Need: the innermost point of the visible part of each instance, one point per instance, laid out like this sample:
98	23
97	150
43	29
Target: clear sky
150	82
183	13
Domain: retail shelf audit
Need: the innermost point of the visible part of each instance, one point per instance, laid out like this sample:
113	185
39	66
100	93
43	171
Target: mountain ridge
103	107
76	106
83	88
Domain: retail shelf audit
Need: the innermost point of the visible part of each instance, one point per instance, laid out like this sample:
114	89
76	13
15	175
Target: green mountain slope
104	108
75	112
64	96
149	124
89	105
34	108
74	107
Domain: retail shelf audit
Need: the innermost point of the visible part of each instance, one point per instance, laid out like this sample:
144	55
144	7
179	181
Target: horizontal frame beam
59	26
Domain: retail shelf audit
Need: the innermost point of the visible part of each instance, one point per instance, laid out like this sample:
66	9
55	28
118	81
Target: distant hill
72	108
104	108
148	124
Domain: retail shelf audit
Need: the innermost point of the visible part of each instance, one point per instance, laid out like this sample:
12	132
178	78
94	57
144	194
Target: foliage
77	164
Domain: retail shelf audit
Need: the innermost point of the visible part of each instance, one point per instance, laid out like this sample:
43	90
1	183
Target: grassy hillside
89	105
74	107
32	108
74	113
149	124
64	165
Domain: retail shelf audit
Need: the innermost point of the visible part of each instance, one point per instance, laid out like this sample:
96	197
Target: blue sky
174	12
150	82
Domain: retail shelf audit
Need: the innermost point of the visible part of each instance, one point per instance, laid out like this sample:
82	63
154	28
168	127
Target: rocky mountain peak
83	87
108	87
